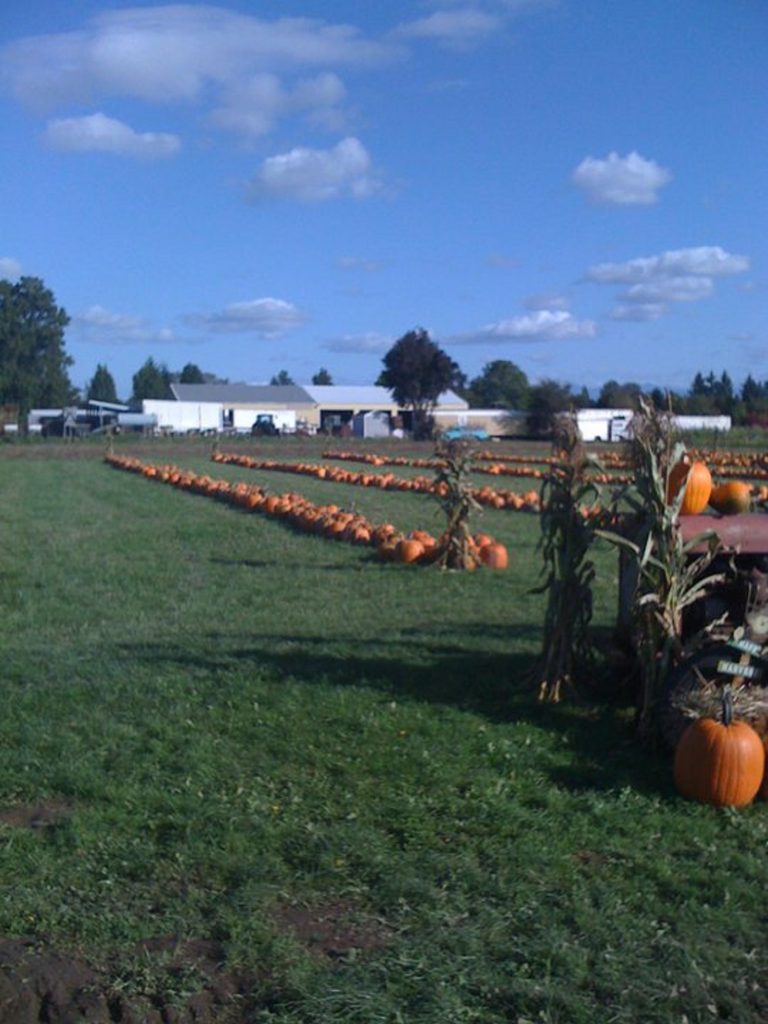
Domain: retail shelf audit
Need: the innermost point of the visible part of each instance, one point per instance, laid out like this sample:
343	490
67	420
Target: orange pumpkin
763	791
696	479
494	555
409	550
720	763
731	498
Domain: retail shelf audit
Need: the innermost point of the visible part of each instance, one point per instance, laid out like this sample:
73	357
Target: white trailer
702	422
184	417
603	424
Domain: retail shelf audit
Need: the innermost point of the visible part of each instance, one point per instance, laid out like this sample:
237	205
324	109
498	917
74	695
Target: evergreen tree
102	385
322	377
33	361
751	391
191	374
151	381
283	377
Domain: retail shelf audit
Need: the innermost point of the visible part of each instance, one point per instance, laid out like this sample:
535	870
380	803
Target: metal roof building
245	395
317	406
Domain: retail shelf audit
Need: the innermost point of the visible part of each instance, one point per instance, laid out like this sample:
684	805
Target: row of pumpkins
416	547
529	501
728	499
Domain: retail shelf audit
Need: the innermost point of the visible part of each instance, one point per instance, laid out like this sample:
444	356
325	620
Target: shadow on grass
498	685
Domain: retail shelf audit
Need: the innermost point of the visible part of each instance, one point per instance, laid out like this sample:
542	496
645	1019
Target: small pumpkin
720	763
731	498
494	555
696	479
409	550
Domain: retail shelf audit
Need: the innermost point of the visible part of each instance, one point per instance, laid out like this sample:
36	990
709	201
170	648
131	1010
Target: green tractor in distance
264	426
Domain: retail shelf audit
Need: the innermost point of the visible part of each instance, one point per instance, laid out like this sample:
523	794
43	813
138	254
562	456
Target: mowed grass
235	720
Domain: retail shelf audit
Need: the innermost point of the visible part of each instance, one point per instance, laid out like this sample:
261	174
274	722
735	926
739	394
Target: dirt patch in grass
170	982
336	931
591	858
44	815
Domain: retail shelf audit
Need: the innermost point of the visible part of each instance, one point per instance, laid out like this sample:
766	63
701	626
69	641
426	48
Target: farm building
94	415
312	407
237	405
337	405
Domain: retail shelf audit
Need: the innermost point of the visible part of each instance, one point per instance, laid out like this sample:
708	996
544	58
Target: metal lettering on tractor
733	668
749	647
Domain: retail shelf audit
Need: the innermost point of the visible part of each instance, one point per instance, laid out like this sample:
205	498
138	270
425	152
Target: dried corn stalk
453	492
568	498
669	577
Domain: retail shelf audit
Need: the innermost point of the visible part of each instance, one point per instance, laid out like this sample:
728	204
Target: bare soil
42	985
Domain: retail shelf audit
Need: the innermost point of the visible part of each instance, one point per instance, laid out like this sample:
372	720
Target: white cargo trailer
603	424
184	417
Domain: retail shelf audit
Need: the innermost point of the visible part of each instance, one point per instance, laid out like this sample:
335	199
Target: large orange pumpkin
731	498
720	763
697	480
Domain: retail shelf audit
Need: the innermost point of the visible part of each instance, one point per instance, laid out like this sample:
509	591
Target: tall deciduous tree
618	396
33	361
152	380
102	385
501	385
548	398
417	371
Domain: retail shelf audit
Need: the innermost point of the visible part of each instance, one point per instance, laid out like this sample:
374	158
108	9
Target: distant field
265	775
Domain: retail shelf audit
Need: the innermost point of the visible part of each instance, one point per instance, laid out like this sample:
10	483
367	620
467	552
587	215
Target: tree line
34	373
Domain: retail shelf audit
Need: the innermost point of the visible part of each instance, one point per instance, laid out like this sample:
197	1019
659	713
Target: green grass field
216	730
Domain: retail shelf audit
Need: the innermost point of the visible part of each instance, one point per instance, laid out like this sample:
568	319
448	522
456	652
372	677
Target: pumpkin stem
727	704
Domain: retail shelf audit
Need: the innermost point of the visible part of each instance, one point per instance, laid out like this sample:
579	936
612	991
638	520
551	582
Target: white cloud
314	175
173	52
620	181
101	326
709	260
99	133
371	343
639	311
10	268
671	289
540	325
452	28
679	275
266	318
251	107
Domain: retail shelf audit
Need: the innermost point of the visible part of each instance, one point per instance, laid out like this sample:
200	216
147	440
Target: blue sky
578	186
